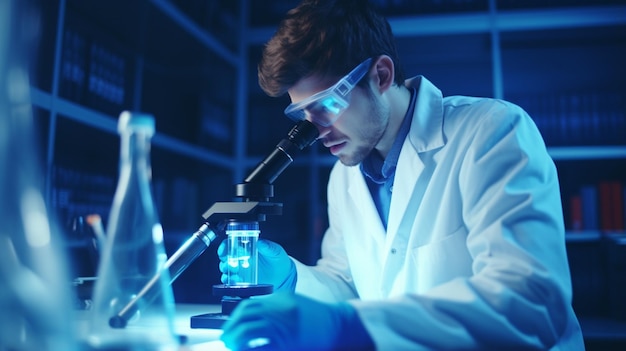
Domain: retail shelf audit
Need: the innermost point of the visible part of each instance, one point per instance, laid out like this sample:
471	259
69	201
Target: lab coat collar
427	128
426	134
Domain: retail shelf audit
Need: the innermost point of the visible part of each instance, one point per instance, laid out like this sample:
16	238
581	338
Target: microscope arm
190	251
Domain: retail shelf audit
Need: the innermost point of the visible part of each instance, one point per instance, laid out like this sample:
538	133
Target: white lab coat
474	253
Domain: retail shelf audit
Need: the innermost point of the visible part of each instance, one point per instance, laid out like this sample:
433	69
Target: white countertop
196	339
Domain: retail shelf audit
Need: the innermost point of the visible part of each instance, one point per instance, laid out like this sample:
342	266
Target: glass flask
133	303
242	254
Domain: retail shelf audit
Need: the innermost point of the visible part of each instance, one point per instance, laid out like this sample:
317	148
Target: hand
285	321
274	266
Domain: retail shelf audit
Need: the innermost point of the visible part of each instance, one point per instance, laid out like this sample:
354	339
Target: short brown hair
326	37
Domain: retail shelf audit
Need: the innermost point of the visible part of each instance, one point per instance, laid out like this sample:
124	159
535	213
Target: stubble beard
372	130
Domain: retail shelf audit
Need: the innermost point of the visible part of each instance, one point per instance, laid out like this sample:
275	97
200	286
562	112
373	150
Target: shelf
517	20
109	124
196	31
603	328
587	152
510	20
583	236
557	153
618	237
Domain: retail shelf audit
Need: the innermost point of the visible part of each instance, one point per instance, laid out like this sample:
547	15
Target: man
445	222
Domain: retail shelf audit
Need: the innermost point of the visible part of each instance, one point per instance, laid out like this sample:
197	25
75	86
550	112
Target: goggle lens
325	107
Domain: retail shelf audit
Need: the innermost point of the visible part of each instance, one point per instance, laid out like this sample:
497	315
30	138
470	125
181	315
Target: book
576	213
611	206
589	202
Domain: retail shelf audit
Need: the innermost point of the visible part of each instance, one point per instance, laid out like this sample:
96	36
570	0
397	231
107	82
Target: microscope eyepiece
303	134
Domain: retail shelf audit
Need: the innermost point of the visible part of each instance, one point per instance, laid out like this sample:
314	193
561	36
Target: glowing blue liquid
242	257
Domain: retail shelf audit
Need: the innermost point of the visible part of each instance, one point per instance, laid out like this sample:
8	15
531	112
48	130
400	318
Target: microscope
239	220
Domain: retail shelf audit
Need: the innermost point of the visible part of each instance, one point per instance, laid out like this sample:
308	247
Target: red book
616	206
606	213
576	212
611	206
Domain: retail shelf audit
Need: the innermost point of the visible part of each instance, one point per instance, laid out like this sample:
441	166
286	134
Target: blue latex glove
285	321
274	266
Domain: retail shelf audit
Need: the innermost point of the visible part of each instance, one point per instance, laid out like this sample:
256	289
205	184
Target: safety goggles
326	106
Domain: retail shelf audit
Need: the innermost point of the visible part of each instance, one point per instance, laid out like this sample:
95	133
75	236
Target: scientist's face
358	129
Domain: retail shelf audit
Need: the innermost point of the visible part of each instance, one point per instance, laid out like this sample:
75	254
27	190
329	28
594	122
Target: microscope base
208	321
231	295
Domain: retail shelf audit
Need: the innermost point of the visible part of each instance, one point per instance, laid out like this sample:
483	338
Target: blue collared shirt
379	173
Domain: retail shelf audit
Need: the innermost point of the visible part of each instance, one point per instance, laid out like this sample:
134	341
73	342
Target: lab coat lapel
402	214
362	199
409	168
426	134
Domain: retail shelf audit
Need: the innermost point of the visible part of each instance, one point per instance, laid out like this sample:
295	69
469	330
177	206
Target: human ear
383	73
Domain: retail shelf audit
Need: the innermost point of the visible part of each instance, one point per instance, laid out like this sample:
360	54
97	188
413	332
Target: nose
323	131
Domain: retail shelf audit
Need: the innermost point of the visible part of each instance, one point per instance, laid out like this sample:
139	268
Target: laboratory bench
600	334
197	339
192	339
